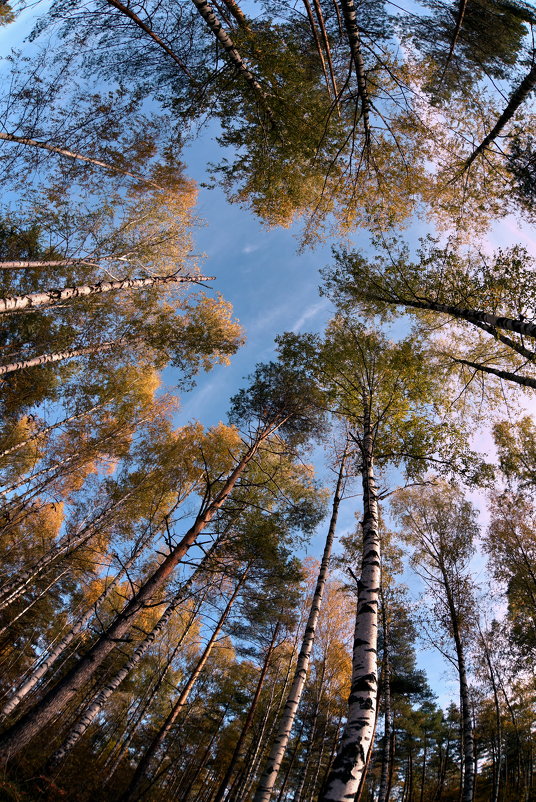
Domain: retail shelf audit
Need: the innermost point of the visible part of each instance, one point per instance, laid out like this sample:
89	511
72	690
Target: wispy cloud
310	312
250	248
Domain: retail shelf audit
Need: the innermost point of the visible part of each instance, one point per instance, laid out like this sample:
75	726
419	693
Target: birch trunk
21	733
134	17
220	793
524	381
383	792
93	709
16	303
233	55
356	741
69	154
18	265
46	359
112	762
462	5
471	315
354	39
520	94
468	745
145	763
277	752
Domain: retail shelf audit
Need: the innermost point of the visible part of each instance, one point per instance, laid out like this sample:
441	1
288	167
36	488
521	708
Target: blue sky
274	289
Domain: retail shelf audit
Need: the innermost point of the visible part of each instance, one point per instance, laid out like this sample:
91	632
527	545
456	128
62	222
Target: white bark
69	154
50	657
11	591
46	359
16	303
350	763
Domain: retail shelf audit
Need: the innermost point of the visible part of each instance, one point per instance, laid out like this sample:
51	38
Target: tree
278	749
492	296
442	527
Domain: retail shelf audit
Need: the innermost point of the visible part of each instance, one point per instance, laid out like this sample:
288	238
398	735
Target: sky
273	289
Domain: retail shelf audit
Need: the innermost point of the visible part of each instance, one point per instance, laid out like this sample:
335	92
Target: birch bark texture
350	762
17	303
277	752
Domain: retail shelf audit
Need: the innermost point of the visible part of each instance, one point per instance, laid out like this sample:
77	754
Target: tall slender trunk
354	39
238	14
327	48
51	428
145	763
467	739
462	5
249	719
25	265
113	761
474	316
51	297
46	359
491	672
233	55
69	154
134	17
519	95
21	733
94	708
387	727
316	38
277	752
356	741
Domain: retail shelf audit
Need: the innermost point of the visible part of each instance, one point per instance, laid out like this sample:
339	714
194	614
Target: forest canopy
317	584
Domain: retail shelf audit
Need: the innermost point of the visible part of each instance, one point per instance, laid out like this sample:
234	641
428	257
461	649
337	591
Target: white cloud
310	312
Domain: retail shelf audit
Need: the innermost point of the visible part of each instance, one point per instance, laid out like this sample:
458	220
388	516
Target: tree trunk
46	359
462	5
134	17
238	14
25	265
22	140
249	719
356	741
21	733
233	55
11	591
145	763
471	315
466	721
354	38
524	381
50	658
277	752
51	297
516	99
387	728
